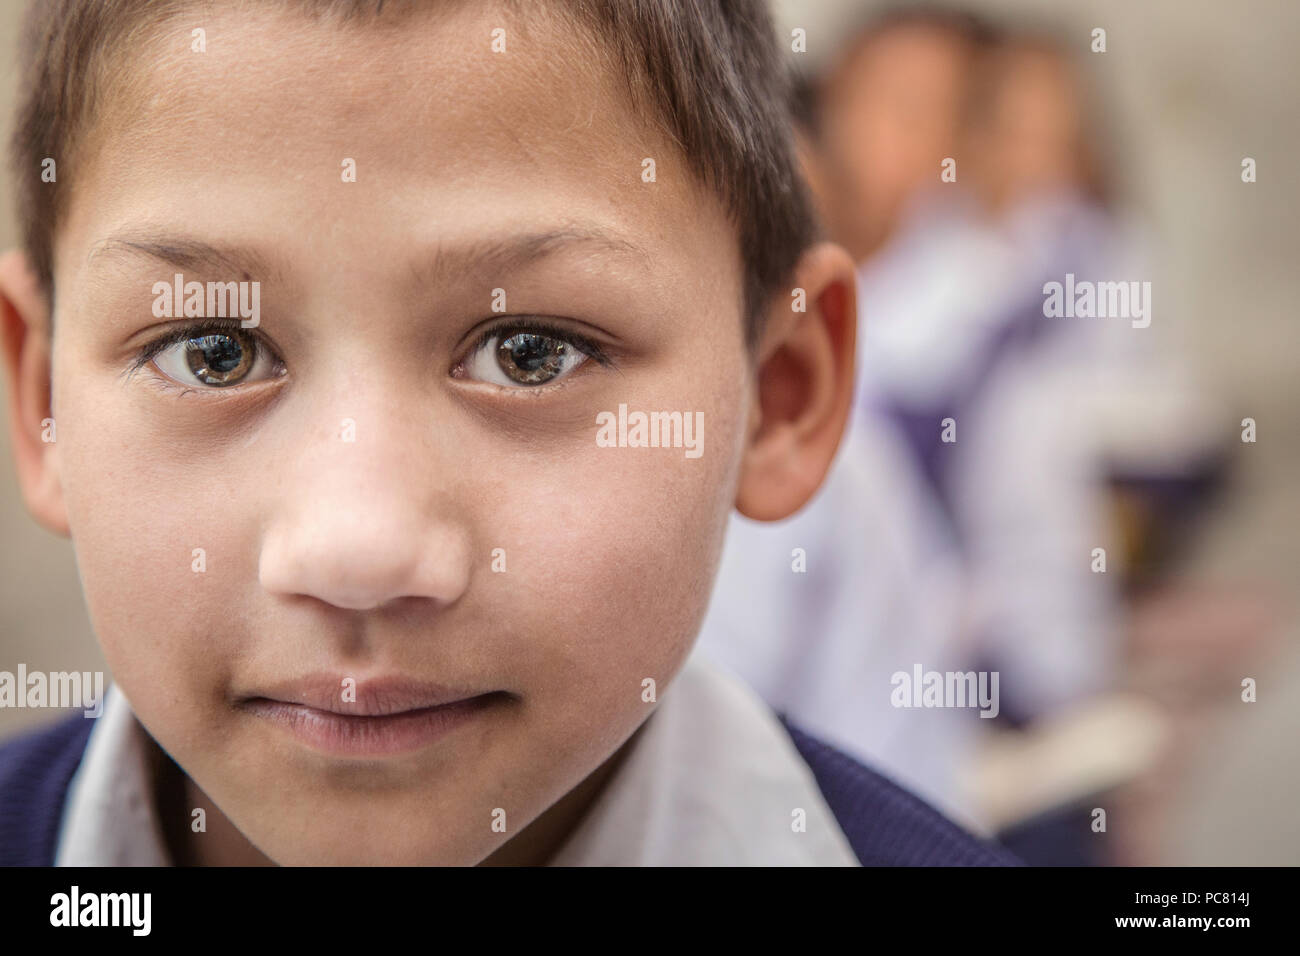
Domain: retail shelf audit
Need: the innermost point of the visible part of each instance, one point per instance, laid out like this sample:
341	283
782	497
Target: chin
403	850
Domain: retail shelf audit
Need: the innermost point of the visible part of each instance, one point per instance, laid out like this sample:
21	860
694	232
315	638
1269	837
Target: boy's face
373	558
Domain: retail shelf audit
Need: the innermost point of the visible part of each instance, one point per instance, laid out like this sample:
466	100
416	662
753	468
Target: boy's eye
522	356
218	359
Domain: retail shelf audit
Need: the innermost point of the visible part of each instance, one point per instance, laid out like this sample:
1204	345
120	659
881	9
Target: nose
364	523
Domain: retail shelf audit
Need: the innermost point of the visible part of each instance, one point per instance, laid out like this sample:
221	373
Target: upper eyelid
175	333
560	325
193	329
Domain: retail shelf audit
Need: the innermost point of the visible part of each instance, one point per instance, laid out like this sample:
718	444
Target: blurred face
364	570
890	118
1033	142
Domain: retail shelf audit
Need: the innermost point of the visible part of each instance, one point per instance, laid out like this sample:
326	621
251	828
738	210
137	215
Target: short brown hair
711	71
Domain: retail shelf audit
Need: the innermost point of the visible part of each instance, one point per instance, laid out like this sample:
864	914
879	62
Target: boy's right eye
212	357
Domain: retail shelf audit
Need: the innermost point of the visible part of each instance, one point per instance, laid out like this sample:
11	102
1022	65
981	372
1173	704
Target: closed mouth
374	718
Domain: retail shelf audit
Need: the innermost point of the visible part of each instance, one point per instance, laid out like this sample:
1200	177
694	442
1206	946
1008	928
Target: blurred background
1065	501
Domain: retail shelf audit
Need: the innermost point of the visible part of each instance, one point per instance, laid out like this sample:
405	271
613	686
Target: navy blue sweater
885	824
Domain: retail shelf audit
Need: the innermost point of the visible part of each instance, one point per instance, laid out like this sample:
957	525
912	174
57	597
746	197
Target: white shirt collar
713	779
110	818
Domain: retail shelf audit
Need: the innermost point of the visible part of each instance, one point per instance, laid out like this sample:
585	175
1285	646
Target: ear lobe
805	388
25	355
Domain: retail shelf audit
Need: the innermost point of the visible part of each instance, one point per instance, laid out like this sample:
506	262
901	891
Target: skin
375	557
889	118
1033	140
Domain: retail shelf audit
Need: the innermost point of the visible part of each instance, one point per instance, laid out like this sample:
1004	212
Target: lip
391	715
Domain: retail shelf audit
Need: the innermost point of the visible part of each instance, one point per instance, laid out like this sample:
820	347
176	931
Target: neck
219	843
538	842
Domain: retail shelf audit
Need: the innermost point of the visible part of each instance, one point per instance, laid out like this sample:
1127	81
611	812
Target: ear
25	353
805	387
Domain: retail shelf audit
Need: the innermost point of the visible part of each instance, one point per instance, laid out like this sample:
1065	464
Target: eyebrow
496	254
502	255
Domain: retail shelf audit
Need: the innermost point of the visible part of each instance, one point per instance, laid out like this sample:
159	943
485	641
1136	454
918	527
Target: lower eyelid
163	382
547	388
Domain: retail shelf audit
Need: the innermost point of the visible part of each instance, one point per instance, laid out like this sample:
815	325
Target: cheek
610	562
158	547
615	553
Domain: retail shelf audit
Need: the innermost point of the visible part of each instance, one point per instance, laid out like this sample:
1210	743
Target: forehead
449	137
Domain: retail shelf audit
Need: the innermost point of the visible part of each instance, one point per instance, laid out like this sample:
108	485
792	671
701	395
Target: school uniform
953	326
714	778
820	611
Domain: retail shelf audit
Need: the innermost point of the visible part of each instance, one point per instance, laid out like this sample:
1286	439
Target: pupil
529	352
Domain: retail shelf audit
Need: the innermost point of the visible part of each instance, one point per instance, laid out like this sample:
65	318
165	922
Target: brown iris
531	359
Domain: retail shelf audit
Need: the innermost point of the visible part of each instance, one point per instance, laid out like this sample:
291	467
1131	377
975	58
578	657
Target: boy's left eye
524	356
